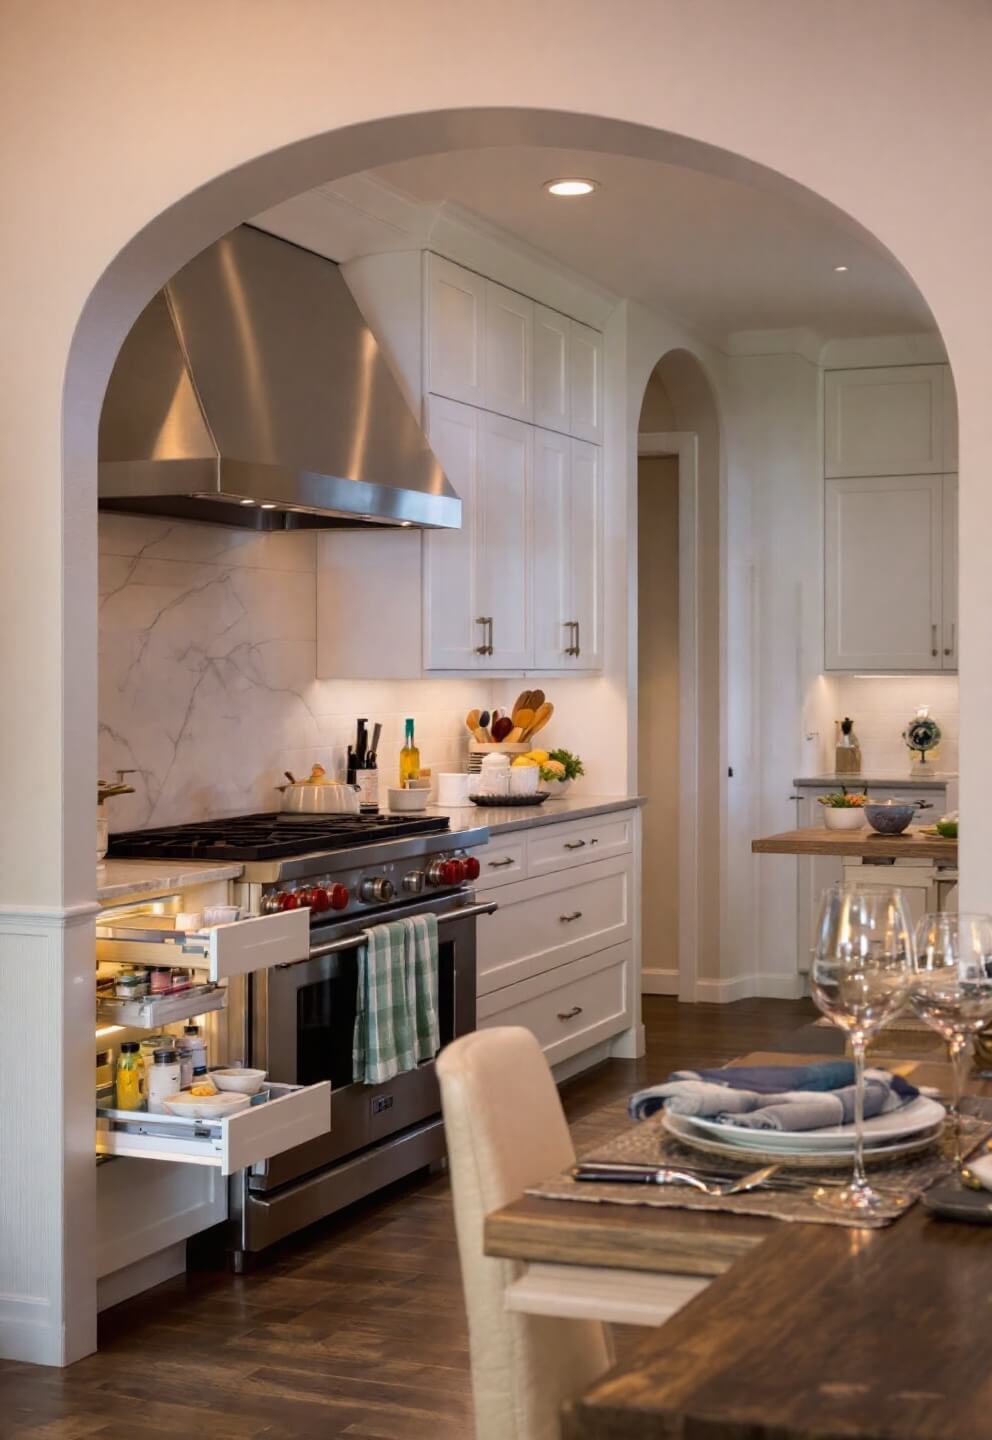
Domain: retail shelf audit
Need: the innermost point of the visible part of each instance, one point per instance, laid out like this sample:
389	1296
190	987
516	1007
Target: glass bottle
130	1077
409	759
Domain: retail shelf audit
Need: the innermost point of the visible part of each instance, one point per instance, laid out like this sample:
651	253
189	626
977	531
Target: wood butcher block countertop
818	840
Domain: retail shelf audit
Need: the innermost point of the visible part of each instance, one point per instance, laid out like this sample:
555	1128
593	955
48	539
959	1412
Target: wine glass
952	992
863	969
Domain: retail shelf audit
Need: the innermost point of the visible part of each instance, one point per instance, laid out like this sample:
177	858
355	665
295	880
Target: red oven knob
472	867
287	900
454	872
319	900
338	897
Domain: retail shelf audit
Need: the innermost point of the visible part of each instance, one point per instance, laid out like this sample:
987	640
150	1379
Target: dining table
765	1329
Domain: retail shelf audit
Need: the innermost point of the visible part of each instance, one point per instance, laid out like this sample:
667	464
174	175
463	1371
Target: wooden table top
806	1330
818	840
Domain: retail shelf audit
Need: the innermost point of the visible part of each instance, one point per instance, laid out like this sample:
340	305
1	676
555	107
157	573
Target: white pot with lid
318	794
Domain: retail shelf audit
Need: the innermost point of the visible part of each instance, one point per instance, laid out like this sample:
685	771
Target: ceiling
719	255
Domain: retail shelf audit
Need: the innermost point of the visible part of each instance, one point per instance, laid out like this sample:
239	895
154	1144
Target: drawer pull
567	919
500	864
575	844
570	1014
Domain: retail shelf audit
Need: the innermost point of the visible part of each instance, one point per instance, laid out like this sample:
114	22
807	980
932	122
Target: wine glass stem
957	1053
860	1180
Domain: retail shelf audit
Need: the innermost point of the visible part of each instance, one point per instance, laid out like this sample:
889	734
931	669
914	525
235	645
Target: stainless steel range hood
251	392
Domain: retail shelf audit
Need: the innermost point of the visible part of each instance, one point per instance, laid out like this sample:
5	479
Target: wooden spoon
536	700
515	736
472	720
520	702
541	719
523	718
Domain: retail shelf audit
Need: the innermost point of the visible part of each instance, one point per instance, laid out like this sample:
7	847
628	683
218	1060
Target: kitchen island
866	844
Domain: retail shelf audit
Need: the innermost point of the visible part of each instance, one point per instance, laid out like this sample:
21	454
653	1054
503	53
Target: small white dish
240	1080
919	1116
189	921
406	802
221	914
204	1107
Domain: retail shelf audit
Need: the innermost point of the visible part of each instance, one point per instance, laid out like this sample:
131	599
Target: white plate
919	1115
754	1150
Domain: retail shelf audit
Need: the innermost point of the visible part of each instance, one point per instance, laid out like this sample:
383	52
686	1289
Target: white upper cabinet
585	365
885	421
567	573
884	573
477	606
450	603
552	406
950	421
509	353
456	327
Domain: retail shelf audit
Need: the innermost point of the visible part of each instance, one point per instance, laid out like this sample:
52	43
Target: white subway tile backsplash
880	708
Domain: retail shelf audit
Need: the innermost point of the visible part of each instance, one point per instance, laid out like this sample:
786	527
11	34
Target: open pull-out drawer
277	1119
152	1012
239	948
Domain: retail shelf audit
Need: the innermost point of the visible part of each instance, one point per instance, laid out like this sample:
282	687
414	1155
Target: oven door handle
467	912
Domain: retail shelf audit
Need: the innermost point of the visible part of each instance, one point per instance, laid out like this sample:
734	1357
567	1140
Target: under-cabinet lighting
108	1030
841	269
570	186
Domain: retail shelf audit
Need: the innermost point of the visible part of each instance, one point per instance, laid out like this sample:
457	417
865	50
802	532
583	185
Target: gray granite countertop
117	878
501	819
881	777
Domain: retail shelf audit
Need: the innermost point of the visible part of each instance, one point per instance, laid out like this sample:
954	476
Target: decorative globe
922	734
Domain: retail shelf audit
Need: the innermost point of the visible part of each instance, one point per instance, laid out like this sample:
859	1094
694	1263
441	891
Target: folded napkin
802	1099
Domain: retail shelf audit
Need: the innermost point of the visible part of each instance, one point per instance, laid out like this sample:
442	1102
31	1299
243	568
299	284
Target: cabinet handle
949	649
570	1014
572	625
575	845
933	640
567	919
794	797
578	640
486	648
500	864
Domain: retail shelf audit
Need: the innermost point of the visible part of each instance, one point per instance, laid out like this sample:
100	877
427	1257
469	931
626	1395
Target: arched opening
680	689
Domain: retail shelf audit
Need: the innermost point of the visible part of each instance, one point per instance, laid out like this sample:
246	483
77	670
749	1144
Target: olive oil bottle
409	759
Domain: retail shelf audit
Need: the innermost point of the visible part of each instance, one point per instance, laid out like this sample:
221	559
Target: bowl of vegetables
558	769
842	811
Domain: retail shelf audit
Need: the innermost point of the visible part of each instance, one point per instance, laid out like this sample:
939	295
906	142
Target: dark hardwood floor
355	1328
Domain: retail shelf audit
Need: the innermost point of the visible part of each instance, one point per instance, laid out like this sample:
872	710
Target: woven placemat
647	1143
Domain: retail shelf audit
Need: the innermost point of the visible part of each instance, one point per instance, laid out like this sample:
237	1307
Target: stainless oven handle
467	912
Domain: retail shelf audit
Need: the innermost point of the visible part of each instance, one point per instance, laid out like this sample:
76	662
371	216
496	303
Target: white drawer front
571	1008
240	948
502	860
292	1116
577	842
546	922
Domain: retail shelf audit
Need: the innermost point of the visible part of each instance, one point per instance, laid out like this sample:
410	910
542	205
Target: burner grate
268	837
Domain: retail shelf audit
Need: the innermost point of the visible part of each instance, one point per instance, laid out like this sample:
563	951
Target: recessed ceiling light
840	269
246	502
573	186
268	504
405	524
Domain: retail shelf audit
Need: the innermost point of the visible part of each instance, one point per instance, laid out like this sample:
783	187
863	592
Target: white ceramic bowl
240	1080
204	1107
843	817
405	802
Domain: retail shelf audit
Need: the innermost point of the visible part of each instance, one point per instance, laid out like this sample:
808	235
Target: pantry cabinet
454	322
552	378
885	420
891	573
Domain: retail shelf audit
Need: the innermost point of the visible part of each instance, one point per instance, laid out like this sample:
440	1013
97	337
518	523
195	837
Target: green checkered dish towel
396	1023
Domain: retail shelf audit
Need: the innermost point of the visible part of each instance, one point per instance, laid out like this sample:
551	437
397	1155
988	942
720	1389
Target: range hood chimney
252	392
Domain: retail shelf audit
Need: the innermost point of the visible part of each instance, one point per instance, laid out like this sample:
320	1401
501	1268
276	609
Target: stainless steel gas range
297	1021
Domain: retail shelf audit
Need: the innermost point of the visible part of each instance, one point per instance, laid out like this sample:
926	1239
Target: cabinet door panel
883	573
884	421
450	604
586	381
509	348
551	387
949	536
456	314
551	569
502	554
585	554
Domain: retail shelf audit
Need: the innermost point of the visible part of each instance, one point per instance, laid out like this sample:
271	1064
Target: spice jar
194	1042
163	1079
158	981
130	1077
129	985
179	980
185	1067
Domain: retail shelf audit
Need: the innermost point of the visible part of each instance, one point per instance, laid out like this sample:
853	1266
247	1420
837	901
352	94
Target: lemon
541	757
524	760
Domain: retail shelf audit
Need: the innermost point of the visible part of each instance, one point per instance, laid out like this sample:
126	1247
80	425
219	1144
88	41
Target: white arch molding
84	248
684	445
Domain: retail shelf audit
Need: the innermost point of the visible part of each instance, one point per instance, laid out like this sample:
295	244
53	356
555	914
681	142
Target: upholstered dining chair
506	1130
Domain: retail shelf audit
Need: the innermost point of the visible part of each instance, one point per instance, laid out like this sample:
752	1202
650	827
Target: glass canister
164	1079
130	1077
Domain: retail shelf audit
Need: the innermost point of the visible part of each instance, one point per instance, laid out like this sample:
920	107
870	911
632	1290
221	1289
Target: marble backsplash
207	674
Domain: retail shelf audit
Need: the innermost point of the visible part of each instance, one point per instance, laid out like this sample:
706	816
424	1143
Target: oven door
303	1021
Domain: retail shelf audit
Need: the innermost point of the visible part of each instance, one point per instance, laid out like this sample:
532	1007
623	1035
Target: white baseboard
722	992
595	1055
659	982
780	987
142	1275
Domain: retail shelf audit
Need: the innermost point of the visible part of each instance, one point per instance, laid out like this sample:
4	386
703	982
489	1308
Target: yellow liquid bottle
130	1078
409	759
